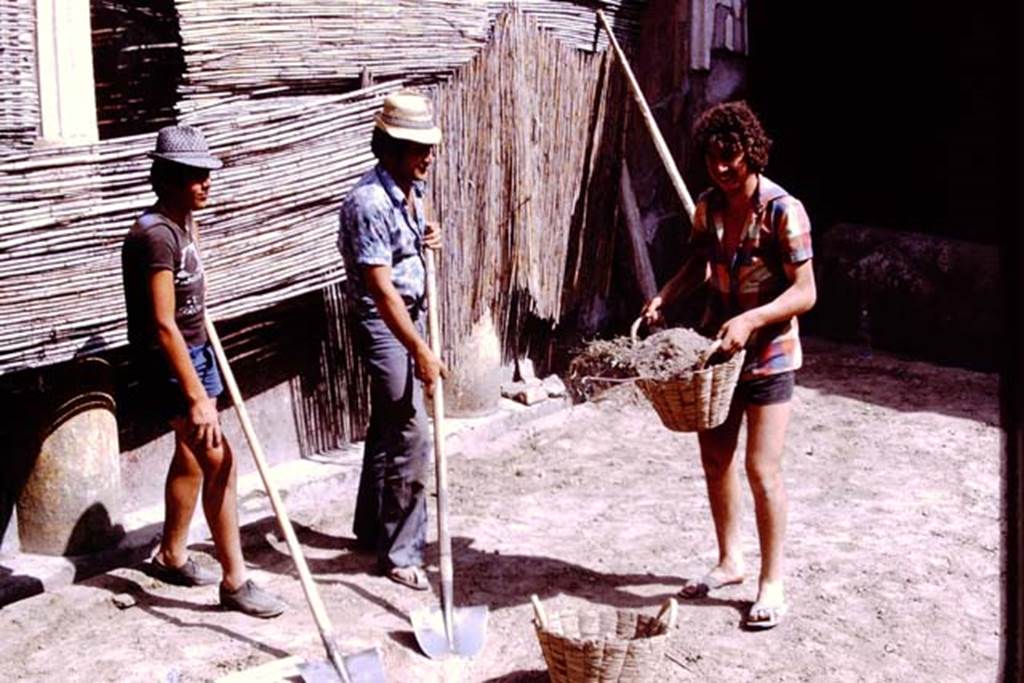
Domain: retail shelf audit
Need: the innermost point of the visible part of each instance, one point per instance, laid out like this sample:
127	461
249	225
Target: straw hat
184	145
408	115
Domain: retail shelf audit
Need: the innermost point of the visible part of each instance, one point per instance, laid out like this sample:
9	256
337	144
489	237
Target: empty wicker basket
603	646
696	400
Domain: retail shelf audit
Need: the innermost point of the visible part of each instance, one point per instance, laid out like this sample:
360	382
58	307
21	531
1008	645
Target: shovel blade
362	667
469	630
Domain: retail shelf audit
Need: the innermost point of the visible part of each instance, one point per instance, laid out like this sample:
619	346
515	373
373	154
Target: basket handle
634	329
538	610
672	607
710	351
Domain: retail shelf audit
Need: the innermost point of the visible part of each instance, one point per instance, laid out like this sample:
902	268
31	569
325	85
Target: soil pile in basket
663	355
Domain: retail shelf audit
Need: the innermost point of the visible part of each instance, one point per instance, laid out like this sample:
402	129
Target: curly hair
735	127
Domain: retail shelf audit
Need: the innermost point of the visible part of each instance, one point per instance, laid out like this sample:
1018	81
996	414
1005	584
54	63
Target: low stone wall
934	298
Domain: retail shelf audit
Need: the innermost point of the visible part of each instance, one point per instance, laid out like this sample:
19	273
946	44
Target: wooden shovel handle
316	605
652	125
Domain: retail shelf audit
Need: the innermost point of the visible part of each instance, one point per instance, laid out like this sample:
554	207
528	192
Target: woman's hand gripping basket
602	645
695	400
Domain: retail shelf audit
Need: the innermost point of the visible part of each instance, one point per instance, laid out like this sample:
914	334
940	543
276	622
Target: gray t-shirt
154	243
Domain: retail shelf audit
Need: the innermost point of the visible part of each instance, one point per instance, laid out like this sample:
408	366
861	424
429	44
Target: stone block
527	393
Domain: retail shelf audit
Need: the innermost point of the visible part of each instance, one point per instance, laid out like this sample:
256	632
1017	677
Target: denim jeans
391	507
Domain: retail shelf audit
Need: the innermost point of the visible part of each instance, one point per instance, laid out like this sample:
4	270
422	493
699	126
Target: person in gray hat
165	289
381	238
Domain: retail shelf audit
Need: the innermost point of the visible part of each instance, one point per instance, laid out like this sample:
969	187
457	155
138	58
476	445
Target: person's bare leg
766	434
181	492
718	451
220	506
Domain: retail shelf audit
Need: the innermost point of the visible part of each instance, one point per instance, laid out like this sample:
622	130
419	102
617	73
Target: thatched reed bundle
315	46
19	92
523	123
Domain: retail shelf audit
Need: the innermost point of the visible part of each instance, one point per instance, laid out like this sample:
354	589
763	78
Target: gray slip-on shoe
252	600
189	574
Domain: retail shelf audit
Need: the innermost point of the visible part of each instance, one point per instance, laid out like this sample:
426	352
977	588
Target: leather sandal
411	577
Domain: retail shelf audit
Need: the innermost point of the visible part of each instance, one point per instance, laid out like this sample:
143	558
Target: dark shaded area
138	65
14	587
93	531
1012	387
886	115
538	676
306	341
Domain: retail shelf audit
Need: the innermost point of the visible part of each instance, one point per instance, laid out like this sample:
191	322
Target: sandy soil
893	551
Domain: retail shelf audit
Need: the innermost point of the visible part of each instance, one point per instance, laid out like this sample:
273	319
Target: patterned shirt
377	229
779	232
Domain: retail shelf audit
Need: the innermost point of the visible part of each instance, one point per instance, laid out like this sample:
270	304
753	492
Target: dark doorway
887	114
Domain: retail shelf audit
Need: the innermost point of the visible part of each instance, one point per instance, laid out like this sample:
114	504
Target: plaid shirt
377	229
779	232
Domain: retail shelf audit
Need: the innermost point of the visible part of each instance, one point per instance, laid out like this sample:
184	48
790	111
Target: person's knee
716	461
765	478
216	461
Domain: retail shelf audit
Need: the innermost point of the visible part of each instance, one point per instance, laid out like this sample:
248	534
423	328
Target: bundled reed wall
314	46
269	233
19	94
138	65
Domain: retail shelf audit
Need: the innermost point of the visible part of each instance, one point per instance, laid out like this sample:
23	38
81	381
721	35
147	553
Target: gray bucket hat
184	145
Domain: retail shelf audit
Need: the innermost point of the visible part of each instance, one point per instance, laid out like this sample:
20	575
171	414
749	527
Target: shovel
363	667
446	631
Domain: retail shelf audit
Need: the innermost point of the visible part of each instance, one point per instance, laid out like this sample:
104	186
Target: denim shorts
768	390
161	391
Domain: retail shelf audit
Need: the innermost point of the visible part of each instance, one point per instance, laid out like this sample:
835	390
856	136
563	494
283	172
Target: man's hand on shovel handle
429	368
432	236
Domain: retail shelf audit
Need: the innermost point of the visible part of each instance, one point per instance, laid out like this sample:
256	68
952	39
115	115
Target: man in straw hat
165	291
381	238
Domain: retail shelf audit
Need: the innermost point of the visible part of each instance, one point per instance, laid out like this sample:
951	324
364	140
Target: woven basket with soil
681	373
602	645
694	400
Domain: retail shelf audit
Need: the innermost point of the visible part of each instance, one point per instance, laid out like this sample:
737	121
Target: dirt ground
892	469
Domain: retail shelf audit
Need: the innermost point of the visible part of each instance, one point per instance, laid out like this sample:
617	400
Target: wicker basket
602	646
697	400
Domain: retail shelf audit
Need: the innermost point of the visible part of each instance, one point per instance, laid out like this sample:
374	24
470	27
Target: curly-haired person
751	242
